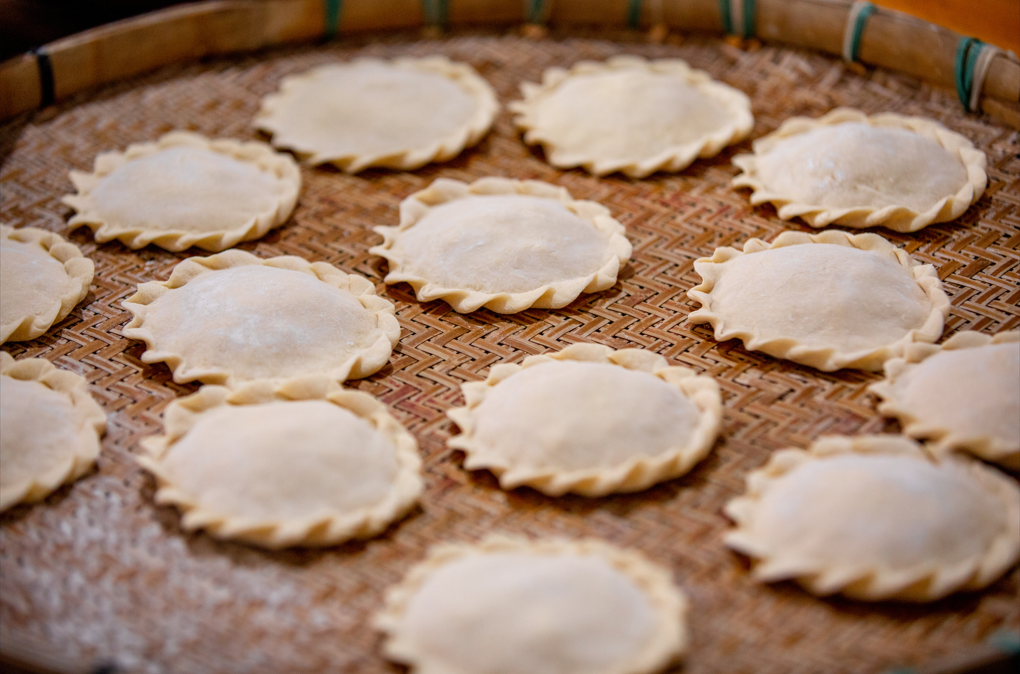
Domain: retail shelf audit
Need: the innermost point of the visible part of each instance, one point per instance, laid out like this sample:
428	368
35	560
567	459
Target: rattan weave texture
99	574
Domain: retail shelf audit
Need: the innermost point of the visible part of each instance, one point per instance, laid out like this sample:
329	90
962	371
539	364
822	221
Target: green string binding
1005	642
634	14
437	12
331	19
865	12
749	11
967	51
747	29
536	12
727	17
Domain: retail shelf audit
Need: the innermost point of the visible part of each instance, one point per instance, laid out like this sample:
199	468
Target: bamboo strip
486	12
817	24
368	15
588	12
692	16
19	86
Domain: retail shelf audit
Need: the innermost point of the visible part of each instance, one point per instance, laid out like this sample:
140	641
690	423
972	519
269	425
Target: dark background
26	24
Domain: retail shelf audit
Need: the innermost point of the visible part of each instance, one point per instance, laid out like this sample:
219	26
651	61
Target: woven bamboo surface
97	574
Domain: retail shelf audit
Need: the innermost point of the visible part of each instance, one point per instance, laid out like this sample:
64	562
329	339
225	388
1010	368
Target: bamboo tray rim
122	49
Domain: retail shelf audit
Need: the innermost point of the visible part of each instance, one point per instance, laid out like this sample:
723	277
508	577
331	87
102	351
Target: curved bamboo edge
183	33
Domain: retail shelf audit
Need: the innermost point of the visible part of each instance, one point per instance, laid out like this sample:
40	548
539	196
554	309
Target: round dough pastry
846	168
186	190
49	429
511	606
304	462
631	115
399	114
964	394
506	245
42	278
830	300
875	518
234	317
588	420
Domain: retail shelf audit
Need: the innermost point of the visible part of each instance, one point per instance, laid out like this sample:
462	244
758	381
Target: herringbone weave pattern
99	574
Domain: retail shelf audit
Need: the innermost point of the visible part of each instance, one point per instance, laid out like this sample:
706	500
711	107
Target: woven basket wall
98	574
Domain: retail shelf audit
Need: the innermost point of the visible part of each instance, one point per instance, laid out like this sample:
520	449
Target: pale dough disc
304	462
399	114
631	115
186	190
42	278
903	173
49	429
964	394
830	300
506	245
588	420
874	518
512	606
234	317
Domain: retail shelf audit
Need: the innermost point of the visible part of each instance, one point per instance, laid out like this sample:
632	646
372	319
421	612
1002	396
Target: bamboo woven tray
98	575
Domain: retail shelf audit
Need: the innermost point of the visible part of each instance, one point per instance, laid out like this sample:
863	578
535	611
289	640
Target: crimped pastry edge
91	423
182	415
462	74
828	359
896	218
79	269
668	645
361	364
672	159
549	296
257	153
636	474
920	583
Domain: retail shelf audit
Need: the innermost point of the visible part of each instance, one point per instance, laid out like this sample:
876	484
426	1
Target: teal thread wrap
749	12
437	12
746	29
634	14
1005	641
331	19
47	86
967	51
727	17
853	46
537	12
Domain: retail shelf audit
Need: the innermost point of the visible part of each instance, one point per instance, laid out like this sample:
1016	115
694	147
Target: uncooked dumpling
42	278
874	517
185	190
846	168
49	429
963	394
631	115
588	420
304	462
234	317
829	300
399	114
509	606
505	245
